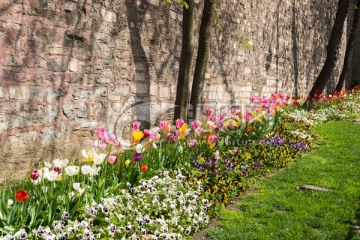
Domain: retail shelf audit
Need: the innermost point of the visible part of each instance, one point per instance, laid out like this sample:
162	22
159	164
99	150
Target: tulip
90	170
208	111
164	124
137	157
21	196
195	124
137	136
136	126
179	123
192	143
113	159
99	158
35	174
144	168
60	163
71	170
139	148
51	176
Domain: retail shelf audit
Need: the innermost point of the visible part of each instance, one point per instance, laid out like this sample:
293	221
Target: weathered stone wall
68	66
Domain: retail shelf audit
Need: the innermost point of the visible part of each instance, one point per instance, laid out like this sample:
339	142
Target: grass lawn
279	210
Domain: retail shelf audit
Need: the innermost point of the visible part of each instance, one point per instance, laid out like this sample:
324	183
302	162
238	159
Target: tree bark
202	58
349	48
187	51
332	50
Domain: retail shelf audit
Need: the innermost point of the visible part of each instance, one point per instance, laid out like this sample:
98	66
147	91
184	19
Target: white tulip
61	163
99	158
139	148
10	202
90	170
71	170
44	189
48	165
51	176
37	181
76	185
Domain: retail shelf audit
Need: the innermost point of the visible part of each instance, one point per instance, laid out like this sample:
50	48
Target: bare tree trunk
187	51
202	57
332	49
349	48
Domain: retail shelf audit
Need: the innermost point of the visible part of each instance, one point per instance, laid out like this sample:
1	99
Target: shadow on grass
354	229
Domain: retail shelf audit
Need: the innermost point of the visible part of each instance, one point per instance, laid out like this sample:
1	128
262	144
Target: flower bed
167	181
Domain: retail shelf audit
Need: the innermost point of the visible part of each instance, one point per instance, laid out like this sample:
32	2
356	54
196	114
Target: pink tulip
207	111
195	124
100	132
136	126
163	124
192	143
113	159
213	138
179	123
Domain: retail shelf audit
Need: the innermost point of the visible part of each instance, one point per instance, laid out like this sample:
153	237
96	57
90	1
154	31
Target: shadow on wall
135	17
41	59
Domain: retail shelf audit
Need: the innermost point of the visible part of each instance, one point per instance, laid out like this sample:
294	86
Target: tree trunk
202	58
332	50
349	48
187	51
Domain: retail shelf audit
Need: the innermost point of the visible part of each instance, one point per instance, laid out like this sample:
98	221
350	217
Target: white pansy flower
72	170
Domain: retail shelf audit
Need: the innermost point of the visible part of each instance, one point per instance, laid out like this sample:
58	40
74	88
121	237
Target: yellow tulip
138	135
184	127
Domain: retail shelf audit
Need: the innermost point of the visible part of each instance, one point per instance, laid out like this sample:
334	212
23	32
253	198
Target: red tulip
144	168
21	196
35	174
57	169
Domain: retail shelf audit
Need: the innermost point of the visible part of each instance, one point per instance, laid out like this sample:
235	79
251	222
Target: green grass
279	210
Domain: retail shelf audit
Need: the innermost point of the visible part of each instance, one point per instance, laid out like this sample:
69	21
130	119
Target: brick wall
69	66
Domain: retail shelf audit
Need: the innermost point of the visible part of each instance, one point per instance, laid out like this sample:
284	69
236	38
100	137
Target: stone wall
68	66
